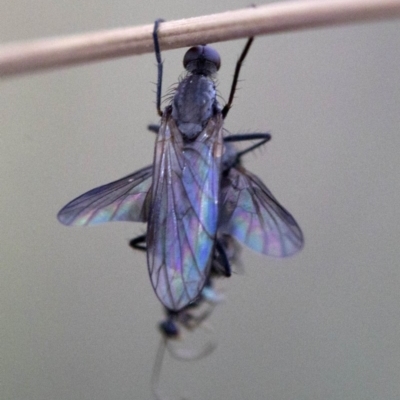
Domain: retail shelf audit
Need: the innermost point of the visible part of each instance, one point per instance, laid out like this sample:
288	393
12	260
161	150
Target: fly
195	186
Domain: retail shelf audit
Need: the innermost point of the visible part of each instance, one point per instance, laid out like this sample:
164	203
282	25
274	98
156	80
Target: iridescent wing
126	199
184	213
254	217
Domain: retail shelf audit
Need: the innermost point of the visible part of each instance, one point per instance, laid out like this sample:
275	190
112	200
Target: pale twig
279	17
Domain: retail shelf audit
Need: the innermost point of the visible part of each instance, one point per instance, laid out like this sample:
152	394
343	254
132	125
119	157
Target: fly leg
222	259
242	137
239	63
153	128
137	243
157	52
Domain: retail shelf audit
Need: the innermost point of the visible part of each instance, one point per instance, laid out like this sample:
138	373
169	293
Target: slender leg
153	128
137	243
239	63
242	137
157	51
223	258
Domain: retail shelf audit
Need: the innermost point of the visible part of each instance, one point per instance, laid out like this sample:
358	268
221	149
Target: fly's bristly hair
168	97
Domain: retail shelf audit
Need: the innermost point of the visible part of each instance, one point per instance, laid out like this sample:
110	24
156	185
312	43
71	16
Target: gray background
78	315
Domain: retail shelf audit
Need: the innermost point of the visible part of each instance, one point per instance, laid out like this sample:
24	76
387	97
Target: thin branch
26	57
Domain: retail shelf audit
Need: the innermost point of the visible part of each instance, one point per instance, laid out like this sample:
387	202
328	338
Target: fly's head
202	60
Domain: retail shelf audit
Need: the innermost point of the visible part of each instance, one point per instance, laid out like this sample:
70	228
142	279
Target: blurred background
78	314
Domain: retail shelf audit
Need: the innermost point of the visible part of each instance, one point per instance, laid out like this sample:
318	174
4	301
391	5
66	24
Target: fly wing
254	217
184	213
126	199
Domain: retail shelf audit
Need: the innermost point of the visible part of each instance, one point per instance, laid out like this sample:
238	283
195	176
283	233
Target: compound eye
202	53
212	56
192	54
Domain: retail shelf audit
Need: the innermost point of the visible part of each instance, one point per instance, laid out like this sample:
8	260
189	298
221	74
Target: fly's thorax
194	104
